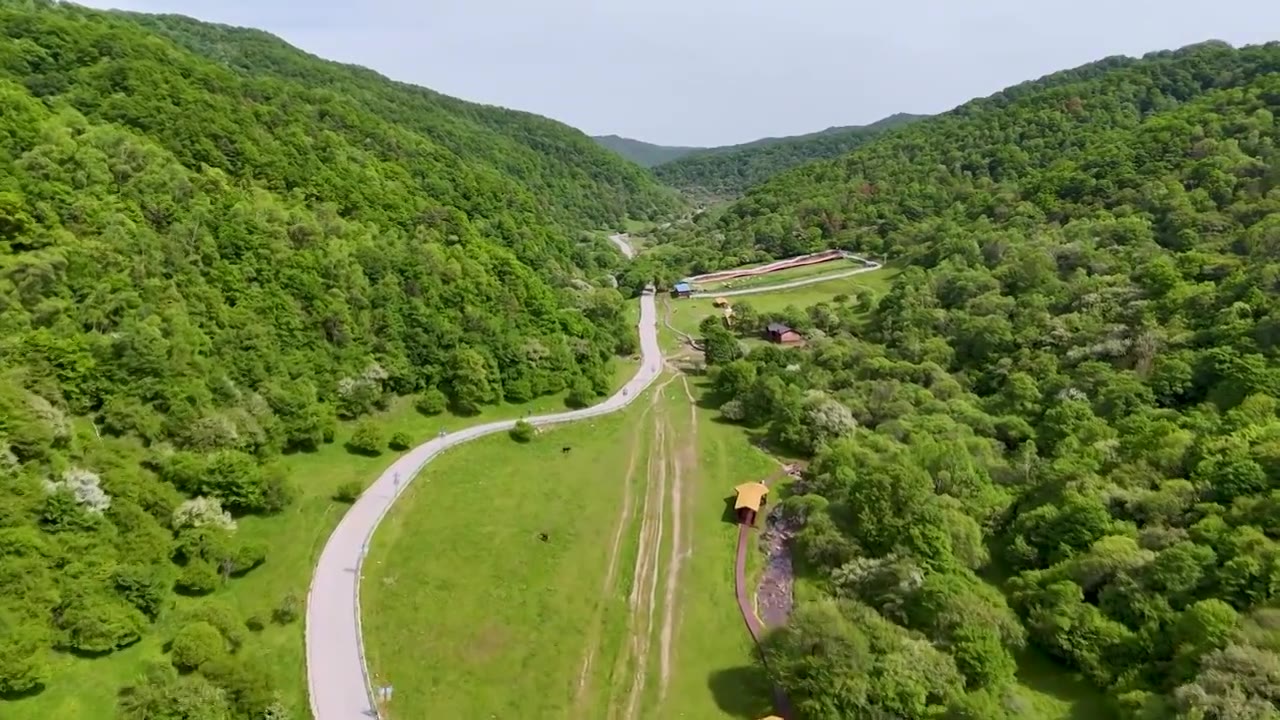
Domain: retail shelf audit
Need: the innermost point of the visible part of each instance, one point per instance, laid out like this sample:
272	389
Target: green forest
213	247
643	153
1057	433
1059	430
727	172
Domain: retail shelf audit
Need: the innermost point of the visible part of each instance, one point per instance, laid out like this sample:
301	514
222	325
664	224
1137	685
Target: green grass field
780	276
85	689
716	675
687	314
466	612
469	614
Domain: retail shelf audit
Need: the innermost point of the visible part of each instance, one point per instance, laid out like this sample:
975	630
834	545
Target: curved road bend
336	672
621	240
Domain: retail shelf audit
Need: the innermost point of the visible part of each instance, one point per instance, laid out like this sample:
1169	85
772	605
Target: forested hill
1060	427
643	153
725	172
571	177
211	250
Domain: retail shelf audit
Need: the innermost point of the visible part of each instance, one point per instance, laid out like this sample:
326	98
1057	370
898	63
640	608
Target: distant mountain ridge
643	153
887	123
729	171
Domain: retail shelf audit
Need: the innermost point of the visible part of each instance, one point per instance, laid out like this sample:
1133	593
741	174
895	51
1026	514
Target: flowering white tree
84	486
202	512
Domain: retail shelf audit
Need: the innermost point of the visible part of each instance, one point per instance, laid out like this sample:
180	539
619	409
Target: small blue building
681	290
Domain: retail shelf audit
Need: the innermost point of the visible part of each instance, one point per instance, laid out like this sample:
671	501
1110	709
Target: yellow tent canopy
750	495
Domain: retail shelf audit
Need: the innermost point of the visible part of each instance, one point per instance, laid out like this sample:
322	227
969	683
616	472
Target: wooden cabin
751	497
779	333
681	290
721	302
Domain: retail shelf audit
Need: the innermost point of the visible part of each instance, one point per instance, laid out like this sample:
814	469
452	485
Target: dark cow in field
565	449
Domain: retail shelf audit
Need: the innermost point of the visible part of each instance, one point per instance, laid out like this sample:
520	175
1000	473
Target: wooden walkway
781	705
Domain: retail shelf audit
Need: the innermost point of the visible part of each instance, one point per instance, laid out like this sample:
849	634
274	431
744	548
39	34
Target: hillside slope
728	171
213	246
643	153
573	178
1060	427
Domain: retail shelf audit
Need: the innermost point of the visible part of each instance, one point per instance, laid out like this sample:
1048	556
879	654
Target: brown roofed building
779	333
751	497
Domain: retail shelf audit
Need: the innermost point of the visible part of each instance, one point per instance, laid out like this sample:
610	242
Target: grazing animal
565	449
543	537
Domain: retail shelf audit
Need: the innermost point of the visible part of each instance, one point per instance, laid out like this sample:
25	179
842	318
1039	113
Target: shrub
221	616
523	431
288	611
196	644
198	578
278	490
581	393
431	402
255	623
347	492
400	441
733	411
367	438
248	556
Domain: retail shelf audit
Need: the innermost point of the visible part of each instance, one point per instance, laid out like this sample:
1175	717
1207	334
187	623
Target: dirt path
653	603
631	667
685	459
611	571
690	340
644	591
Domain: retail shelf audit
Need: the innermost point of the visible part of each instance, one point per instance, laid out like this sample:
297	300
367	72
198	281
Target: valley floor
626	611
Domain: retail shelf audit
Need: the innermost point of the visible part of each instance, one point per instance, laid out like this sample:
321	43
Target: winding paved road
336	672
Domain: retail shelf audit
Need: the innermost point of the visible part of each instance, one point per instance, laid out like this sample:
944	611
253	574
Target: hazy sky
714	72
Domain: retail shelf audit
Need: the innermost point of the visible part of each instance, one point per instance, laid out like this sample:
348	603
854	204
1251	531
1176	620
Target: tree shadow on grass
28	693
742	692
361	451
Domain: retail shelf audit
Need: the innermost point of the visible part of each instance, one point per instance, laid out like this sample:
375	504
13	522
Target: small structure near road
681	290
721	302
751	497
783	334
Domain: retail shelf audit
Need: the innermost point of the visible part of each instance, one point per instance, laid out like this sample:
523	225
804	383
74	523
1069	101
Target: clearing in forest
685	314
626	611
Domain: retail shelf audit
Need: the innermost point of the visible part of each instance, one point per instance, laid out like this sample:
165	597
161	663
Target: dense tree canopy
726	172
643	153
1064	420
212	246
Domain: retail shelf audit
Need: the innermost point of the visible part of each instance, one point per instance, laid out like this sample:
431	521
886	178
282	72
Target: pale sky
717	72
